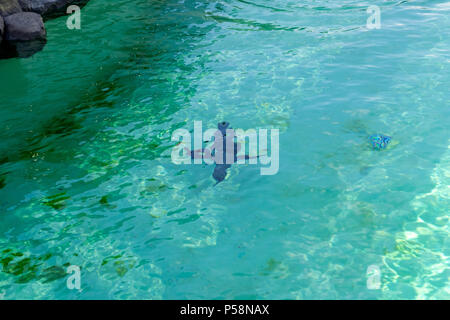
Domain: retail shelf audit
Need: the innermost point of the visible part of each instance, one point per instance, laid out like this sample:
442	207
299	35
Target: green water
86	176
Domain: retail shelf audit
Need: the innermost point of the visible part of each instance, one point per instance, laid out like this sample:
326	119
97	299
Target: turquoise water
86	176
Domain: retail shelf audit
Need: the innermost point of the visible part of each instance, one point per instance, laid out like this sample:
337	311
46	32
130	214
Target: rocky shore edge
22	30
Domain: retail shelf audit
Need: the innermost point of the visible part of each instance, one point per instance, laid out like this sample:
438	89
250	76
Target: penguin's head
223	126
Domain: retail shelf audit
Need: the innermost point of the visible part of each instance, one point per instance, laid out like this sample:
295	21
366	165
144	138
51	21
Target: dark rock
2	28
24	35
8	7
49	8
24	26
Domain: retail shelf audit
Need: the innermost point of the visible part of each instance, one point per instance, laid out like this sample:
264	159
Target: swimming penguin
220	169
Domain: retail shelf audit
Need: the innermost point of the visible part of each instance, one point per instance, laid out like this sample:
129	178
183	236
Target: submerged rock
8	7
24	26
21	49
49	8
